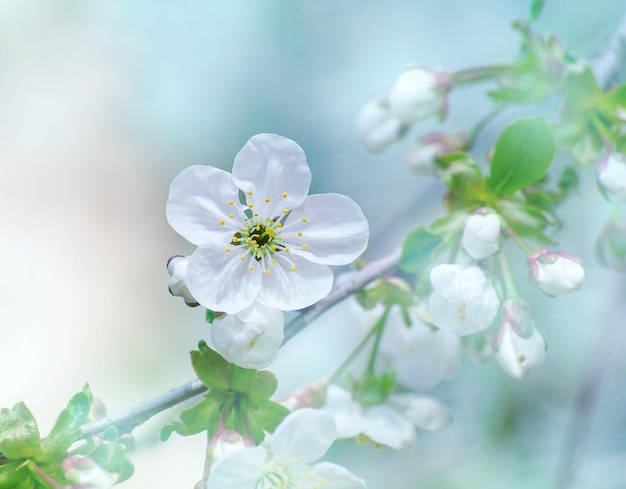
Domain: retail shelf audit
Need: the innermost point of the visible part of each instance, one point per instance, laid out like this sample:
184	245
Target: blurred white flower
611	174
377	128
422	357
482	234
555	272
392	424
177	268
273	248
611	244
422	154
250	338
519	346
418	93
464	300
87	474
303	437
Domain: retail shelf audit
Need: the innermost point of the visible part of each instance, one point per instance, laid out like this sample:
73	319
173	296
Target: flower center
261	237
290	476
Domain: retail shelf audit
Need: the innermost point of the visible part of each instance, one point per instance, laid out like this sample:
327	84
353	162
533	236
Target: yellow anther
227	250
273	262
305	246
267	271
245	230
256	215
284	195
251	267
249	192
286	250
267	199
324	482
230	202
242	258
250	205
293	268
279	224
299	233
304	219
285	211
221	222
232	216
245	220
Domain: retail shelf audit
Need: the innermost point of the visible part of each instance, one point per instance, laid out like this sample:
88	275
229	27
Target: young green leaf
416	250
210	367
19	434
536	7
58	441
522	156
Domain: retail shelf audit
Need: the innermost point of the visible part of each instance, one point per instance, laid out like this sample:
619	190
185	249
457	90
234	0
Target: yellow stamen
293	268
230	202
304	246
299	233
249	192
267	199
251	267
251	205
284	195
267	271
221	222
227	250
304	219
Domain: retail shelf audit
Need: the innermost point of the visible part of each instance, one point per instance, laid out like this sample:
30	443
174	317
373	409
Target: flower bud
482	234
177	268
377	128
611	245
251	338
464	300
419	93
519	347
423	153
612	177
555	272
87	474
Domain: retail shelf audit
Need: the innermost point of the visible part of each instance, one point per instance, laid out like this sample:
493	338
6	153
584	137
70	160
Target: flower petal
294	283
387	426
198	205
327	228
221	280
345	411
424	412
337	477
240	470
273	173
305	434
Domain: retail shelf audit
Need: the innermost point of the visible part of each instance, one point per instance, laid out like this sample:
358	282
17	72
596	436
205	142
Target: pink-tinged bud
482	234
464	300
87	474
377	128
311	395
555	272
519	347
419	93
177	268
423	153
612	177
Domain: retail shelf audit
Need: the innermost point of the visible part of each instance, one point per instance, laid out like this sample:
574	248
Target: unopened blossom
177	268
275	247
611	173
392	423
555	272
421	356
518	345
303	437
464	300
423	153
418	93
377	128
611	244
482	234
250	338
86	474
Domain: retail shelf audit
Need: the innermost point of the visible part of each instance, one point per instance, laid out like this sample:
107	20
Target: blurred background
102	103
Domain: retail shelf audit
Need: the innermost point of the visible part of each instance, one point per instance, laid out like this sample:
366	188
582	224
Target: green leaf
11	476
210	367
416	250
209	317
79	407
536	7
522	156
19	435
58	442
203	416
265	385
526	220
112	457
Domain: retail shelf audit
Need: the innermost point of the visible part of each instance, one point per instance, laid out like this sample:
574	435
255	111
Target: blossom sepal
243	393
372	389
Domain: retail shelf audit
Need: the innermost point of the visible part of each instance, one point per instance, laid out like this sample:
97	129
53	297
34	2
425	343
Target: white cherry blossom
177	268
275	243
251	338
482	234
392	423
611	173
555	272
464	300
87	474
377	128
303	437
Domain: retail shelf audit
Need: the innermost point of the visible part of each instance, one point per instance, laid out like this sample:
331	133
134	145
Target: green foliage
209	316
536	7
522	156
238	400
19	435
417	250
371	390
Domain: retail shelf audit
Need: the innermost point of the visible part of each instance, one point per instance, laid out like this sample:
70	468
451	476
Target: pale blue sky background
104	102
